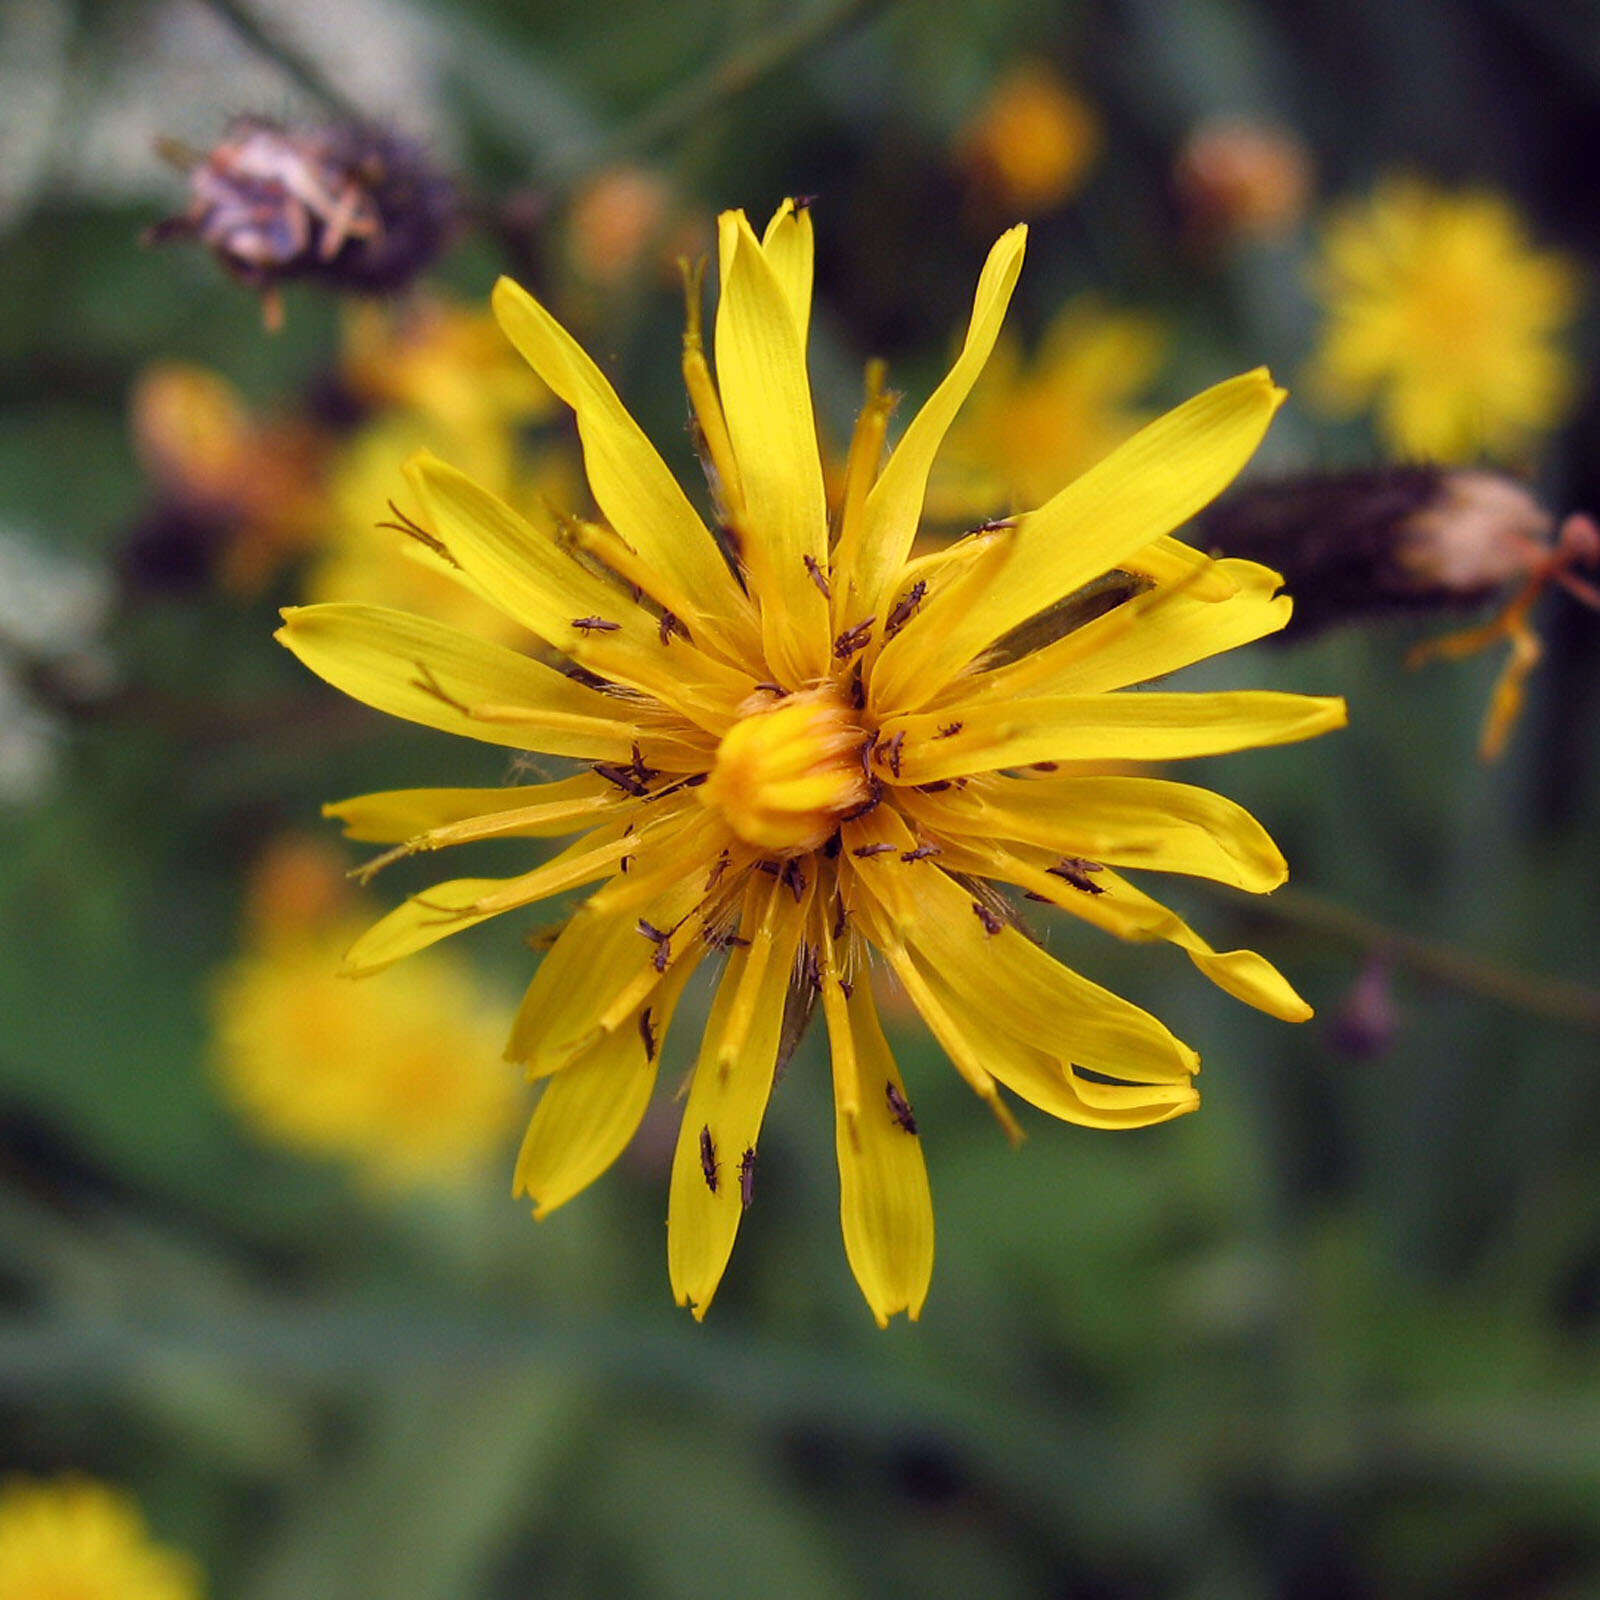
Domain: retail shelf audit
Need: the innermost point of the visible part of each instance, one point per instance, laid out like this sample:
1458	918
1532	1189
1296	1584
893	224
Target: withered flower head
1417	537
355	207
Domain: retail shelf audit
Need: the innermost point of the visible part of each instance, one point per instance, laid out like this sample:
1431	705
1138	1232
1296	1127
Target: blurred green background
1333	1336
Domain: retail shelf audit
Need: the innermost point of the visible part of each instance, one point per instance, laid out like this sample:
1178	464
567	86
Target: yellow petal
588	1113
632	485
1127	822
541	809
894	506
1168	471
1174	564
542	586
1129	913
761	369
598	957
728	1096
885	1206
429	673
1151	726
979	1043
1250	977
1048	1081
1144	638
448	908
1005	972
790	248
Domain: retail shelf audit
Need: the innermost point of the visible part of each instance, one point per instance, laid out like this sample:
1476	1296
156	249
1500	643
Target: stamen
414	530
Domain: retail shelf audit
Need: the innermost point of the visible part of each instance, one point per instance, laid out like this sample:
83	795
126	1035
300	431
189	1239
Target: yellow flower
398	1074
1442	316
435	373
77	1540
1027	430
1032	142
815	747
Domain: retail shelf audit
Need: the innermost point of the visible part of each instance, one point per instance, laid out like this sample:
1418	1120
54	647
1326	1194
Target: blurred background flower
401	1078
1443	318
71	1539
1032	426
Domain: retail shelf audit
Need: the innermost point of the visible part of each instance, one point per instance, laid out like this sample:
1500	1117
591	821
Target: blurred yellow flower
1030	426
1442	316
73	1539
400	1076
433	373
808	748
1031	143
446	364
256	479
283	487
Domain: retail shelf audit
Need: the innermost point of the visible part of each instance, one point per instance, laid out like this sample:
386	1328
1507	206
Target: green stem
1554	998
294	64
741	69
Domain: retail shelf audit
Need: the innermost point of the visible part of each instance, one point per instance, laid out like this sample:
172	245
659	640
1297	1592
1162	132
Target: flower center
784	777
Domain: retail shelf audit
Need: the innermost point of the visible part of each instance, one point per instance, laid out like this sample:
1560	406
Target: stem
293	63
1554	998
739	70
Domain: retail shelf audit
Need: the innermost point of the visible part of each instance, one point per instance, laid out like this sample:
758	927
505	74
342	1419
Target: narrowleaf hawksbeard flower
806	746
74	1539
1443	317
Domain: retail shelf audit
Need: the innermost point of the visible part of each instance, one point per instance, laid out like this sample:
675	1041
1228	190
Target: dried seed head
355	207
1405	538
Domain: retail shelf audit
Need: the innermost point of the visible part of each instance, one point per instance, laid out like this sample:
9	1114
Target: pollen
789	773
